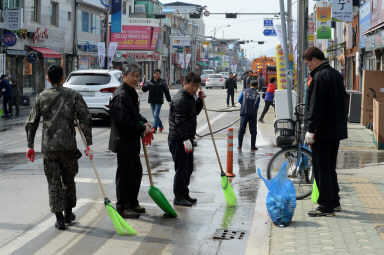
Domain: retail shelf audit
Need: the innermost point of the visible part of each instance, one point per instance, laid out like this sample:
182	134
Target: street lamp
215	28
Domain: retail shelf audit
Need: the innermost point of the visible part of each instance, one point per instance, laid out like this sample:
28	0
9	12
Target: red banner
136	38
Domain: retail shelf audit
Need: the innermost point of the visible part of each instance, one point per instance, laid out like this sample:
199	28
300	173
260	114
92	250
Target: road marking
211	121
35	231
92	180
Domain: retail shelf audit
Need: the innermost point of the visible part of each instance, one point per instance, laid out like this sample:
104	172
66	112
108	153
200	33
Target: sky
244	27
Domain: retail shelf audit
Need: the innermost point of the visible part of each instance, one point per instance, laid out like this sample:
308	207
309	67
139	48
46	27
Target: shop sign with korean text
136	38
342	10
377	12
323	22
180	41
9	39
13	19
364	22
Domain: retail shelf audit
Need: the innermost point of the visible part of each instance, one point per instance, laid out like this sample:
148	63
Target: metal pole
74	52
302	26
107	36
289	9
286	58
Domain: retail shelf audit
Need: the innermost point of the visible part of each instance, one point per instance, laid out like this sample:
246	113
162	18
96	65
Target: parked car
96	87
204	75
215	80
225	75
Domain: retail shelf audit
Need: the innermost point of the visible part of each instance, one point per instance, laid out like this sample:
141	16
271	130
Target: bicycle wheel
299	169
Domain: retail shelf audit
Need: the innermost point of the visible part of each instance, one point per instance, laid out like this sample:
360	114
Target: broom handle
147	162
92	163
213	139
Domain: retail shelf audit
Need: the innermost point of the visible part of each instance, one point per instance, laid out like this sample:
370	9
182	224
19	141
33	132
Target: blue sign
364	23
105	3
9	39
268	23
269	32
116	16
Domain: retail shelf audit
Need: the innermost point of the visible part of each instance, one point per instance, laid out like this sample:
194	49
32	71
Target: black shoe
69	216
138	209
233	105
337	209
190	199
318	213
60	223
129	214
182	202
261	121
254	149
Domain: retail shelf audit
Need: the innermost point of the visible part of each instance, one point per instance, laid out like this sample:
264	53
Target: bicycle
298	155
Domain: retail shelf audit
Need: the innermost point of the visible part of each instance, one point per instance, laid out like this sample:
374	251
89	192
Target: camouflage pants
60	169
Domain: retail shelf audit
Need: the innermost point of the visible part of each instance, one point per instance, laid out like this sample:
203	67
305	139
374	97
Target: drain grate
227	234
380	228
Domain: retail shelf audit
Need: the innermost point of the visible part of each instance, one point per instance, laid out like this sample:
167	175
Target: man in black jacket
127	125
326	124
182	128
157	88
231	86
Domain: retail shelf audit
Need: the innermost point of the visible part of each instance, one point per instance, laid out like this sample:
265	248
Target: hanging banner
181	60
136	38
111	52
323	22
364	22
101	54
116	16
188	58
342	10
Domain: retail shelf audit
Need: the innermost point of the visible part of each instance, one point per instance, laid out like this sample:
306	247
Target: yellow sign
205	43
281	68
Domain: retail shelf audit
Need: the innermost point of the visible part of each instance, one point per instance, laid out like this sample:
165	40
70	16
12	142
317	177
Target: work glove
201	94
188	147
309	138
89	152
31	154
148	139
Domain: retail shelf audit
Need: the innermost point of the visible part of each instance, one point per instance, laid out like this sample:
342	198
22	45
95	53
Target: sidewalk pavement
357	229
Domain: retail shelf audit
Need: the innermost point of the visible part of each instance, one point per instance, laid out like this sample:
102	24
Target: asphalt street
27	226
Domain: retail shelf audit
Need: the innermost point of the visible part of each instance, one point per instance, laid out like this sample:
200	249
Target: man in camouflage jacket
59	107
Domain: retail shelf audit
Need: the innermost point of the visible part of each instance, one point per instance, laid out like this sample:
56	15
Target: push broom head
121	226
229	195
159	198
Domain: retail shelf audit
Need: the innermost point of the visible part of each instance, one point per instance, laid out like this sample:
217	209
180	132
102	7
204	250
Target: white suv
96	87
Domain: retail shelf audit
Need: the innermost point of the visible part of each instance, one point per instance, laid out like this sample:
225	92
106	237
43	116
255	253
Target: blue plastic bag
281	199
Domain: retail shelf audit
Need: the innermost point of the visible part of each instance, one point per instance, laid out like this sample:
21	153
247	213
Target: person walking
268	99
7	93
231	86
326	124
16	98
59	107
249	100
127	127
182	128
248	80
157	88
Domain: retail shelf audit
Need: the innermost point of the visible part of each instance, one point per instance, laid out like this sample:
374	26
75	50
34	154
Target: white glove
201	94
309	138
188	147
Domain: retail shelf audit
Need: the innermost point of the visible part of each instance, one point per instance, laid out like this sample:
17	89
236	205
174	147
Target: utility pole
286	59
289	9
74	51
107	35
302	25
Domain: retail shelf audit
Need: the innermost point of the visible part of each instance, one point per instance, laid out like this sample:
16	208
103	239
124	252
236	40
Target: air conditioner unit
140	8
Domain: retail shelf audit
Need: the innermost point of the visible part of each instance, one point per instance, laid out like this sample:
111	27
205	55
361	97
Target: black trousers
244	119
7	105
183	167
267	104
128	179
324	156
232	95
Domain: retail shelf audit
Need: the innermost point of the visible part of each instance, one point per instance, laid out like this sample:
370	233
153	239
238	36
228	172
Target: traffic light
231	15
260	42
159	16
195	15
241	42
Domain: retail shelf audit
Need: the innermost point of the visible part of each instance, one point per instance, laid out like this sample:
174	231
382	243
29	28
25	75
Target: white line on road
211	121
35	231
92	180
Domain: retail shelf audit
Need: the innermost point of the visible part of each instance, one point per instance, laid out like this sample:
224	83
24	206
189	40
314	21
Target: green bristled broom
229	195
121	226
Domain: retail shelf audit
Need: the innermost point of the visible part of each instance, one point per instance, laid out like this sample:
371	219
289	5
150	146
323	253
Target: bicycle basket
284	132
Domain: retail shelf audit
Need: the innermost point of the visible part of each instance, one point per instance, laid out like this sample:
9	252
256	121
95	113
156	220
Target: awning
17	52
202	64
47	53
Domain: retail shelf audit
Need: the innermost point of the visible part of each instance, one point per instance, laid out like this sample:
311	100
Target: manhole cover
227	234
380	228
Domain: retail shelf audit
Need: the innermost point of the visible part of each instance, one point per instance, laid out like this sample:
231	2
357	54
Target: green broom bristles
121	226
229	195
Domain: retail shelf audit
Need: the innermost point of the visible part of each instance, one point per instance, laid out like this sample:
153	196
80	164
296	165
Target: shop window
69	16
85	21
35	10
54	13
124	7
8	4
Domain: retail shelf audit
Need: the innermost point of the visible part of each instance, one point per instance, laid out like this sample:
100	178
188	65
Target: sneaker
69	217
60	223
161	130
182	202
254	149
228	105
318	213
337	209
233	105
129	214
154	130
138	209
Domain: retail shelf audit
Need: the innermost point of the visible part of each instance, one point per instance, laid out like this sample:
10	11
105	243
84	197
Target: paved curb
259	238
